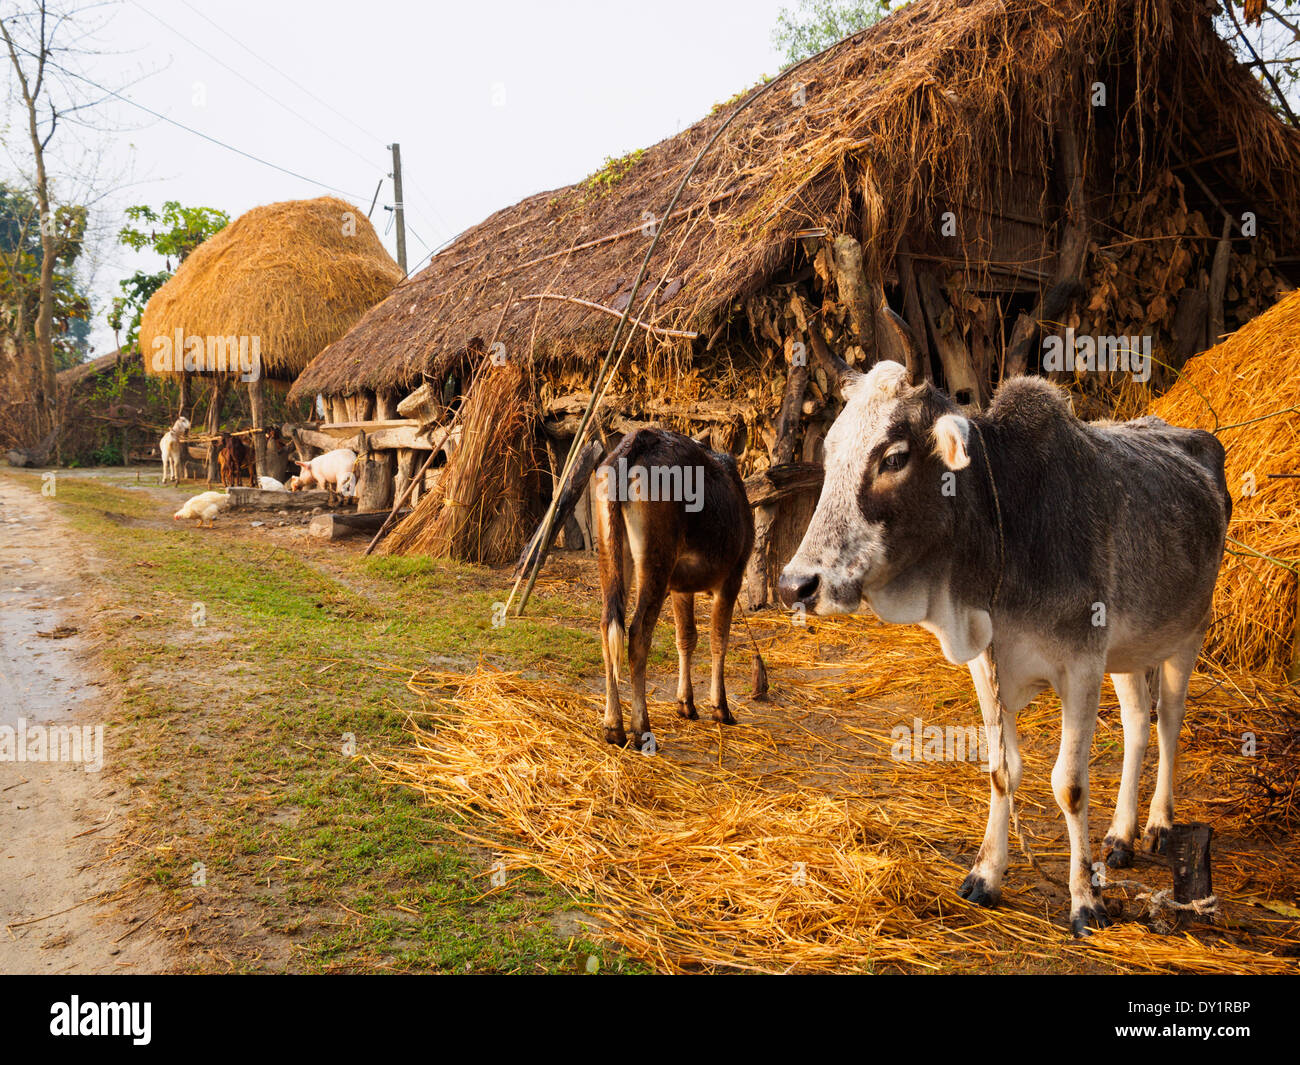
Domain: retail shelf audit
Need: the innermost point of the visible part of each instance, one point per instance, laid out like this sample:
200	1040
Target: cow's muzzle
798	588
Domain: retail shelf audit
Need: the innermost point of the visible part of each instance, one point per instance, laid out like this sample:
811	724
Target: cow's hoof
686	709
1086	918
1155	840
616	736
977	890
723	715
1119	852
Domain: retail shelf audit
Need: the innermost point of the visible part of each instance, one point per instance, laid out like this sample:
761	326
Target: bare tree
40	39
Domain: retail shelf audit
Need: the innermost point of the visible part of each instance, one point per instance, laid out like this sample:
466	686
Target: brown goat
234	459
677	515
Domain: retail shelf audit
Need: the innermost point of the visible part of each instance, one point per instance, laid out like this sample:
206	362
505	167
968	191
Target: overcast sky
490	101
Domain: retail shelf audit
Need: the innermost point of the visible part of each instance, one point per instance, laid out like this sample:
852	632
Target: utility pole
397	206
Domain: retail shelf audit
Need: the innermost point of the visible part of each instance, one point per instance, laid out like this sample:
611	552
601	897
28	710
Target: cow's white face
881	507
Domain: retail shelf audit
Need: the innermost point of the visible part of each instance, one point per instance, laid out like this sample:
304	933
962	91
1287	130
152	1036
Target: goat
277	455
172	449
677	514
235	458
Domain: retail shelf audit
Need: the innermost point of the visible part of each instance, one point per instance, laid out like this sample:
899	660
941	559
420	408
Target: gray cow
1051	549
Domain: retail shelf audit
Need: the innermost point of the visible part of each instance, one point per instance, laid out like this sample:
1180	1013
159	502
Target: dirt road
60	802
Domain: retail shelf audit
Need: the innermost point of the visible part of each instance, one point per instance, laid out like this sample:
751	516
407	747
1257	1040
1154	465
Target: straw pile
296	274
794	841
1247	391
480	510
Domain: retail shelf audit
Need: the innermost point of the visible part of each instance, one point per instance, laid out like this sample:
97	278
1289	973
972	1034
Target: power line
435	216
198	133
277	70
243	77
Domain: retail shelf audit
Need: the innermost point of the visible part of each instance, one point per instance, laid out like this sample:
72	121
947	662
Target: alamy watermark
53	743
1100	354
651	484
178	353
939	743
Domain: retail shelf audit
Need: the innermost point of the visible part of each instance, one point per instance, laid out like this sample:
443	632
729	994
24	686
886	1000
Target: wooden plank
258	499
347	429
402	435
337	526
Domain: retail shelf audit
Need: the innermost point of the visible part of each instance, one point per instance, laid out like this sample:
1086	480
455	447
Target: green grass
232	734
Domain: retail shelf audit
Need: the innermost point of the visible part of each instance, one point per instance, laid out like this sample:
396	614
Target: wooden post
1219	282
375	479
962	382
1189	857
1071	250
255	397
213	426
912	307
785	431
185	395
856	293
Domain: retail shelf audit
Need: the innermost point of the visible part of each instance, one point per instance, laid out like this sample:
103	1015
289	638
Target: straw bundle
296	274
480	509
1247	390
795	841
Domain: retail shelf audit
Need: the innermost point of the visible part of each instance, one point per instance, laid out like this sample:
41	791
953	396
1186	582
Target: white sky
581	81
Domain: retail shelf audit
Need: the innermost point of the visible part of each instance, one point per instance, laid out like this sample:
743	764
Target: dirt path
57	816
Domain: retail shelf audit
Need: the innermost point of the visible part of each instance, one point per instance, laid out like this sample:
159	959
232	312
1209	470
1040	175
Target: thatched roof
937	104
296	275
75	375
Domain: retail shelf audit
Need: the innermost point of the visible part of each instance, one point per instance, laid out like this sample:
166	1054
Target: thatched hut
260	299
993	173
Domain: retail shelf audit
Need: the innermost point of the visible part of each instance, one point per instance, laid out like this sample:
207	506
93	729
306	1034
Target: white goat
172	448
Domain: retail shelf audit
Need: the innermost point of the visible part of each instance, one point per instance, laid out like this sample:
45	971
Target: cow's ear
952	439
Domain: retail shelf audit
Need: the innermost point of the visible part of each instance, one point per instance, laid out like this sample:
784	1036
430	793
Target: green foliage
612	172
814	25
173	232
21	256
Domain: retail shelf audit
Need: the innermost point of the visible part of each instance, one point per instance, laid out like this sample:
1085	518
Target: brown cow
678	515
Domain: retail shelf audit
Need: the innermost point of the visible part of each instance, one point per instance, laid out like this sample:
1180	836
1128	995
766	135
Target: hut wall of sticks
283	280
947	188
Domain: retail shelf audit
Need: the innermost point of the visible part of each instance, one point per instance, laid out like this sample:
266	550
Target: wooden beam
1219	283
256	499
338	526
912	307
959	372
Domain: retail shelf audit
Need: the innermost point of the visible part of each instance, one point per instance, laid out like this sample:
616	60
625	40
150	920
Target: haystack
1247	391
479	511
296	275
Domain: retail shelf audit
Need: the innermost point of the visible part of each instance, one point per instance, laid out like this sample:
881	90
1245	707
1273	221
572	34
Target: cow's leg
1080	692
1175	672
983	885
1135	713
724	602
611	649
652	589
687	638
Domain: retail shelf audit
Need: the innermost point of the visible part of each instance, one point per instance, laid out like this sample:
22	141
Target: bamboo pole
608	366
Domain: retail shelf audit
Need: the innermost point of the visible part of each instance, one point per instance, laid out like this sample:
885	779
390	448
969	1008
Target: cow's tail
612	548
